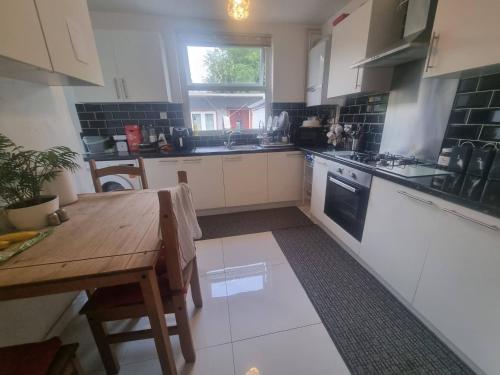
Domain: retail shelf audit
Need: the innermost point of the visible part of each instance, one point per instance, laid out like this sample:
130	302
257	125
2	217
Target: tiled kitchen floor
255	316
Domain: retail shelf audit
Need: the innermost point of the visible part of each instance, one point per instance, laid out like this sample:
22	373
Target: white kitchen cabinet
465	38
205	178
398	229
285	171
134	68
48	41
315	73
204	175
21	36
245	179
367	30
320	173
459	288
162	172
70	40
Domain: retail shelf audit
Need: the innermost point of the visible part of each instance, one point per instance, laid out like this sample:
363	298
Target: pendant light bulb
238	9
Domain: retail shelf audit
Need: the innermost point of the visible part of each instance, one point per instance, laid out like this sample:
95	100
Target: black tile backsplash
473	100
476	112
366	113
108	119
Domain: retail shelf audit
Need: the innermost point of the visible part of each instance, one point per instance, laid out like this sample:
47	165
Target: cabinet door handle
319	162
478	222
295	155
357	79
235	158
192	160
125	90
117	88
424	201
167	161
434	38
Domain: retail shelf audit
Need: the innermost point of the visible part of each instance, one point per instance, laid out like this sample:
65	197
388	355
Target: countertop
197	151
444	187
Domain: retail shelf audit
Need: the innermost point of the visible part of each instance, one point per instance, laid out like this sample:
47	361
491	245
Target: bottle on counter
152	134
144	134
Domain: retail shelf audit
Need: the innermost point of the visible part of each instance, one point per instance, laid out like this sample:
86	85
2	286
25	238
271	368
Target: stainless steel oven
346	200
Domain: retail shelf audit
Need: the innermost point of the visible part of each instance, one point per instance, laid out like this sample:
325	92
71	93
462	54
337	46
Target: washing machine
119	181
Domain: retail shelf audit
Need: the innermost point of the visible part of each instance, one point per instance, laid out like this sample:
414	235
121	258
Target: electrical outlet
163	115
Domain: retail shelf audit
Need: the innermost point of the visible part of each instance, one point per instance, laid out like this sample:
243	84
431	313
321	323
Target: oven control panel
351	174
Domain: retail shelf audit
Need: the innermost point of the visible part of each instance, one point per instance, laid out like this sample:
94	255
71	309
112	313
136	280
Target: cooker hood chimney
415	41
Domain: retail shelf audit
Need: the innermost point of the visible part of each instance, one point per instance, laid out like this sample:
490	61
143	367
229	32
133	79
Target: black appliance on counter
181	139
346	199
313	136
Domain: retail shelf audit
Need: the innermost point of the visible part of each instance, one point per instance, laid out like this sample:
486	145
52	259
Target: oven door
346	204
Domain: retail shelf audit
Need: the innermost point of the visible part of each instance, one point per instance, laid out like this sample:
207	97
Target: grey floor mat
226	225
373	331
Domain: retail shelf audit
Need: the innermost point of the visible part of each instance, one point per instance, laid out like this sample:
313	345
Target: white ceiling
295	11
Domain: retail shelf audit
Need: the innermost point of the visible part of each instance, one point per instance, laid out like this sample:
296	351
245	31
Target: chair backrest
169	231
117	169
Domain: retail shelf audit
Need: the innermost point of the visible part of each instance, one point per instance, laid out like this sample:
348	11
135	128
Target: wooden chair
117	169
49	357
125	301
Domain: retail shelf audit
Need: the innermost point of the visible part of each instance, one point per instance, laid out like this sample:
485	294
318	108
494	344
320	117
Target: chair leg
185	338
195	286
107	355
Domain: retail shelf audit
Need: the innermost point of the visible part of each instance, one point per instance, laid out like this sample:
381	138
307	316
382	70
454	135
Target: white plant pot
33	217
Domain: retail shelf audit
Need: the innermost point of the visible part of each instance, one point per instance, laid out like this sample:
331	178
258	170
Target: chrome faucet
228	143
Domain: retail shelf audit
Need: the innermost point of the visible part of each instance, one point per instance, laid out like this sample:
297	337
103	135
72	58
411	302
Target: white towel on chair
188	228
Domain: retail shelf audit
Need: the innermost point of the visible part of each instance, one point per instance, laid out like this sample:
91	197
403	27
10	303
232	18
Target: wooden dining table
110	239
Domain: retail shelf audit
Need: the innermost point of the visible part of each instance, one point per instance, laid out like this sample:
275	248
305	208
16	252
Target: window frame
224	87
227	40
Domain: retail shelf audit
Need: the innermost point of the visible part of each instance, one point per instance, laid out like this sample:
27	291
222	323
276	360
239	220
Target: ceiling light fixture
238	9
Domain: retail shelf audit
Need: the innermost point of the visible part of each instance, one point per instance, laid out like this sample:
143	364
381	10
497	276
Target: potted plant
22	176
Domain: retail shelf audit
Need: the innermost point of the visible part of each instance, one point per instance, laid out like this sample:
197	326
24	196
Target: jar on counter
444	158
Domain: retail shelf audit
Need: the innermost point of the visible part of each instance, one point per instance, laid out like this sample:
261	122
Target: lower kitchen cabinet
320	173
285	172
204	175
460	285
245	179
398	229
206	180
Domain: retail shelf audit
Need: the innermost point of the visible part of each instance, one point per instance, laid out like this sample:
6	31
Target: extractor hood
415	41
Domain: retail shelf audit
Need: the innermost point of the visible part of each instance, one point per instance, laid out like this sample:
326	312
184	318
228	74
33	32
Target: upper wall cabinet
48	41
369	29
134	68
464	38
316	72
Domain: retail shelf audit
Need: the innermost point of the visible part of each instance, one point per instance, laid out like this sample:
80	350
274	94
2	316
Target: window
226	86
203	120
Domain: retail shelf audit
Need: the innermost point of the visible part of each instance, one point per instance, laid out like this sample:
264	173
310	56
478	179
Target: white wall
289	43
38	117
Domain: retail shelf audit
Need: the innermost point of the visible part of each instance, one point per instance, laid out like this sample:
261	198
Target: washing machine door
115	183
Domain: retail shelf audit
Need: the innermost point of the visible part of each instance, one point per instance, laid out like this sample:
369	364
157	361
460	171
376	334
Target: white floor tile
251	249
265	299
308	350
209	255
214	360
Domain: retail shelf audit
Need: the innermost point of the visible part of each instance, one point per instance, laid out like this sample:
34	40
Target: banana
18	236
4	245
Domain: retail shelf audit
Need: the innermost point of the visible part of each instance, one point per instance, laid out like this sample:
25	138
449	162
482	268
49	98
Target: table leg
156	314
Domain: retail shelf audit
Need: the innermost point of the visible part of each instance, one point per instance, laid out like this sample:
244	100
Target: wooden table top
107	232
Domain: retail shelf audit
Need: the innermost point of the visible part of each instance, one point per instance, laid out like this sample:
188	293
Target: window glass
226	87
225	65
